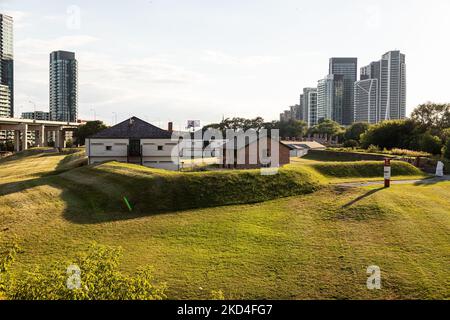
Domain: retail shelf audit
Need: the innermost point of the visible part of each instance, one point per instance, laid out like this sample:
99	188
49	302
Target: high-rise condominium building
366	101
6	67
330	97
309	105
348	69
390	73
63	86
38	115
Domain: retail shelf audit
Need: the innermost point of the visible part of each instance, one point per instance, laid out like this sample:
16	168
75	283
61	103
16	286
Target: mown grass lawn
310	246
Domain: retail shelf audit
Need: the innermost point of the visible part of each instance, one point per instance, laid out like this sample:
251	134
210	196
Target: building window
160	148
108	148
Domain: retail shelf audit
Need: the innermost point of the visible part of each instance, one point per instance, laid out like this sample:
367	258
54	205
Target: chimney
170	127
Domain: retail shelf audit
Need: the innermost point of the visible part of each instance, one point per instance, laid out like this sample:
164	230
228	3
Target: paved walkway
381	182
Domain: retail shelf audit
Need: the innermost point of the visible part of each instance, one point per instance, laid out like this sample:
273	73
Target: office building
348	69
38	115
6	67
63	86
366	101
390	73
309	105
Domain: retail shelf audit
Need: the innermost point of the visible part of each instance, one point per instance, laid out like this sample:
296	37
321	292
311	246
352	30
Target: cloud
20	18
39	46
222	58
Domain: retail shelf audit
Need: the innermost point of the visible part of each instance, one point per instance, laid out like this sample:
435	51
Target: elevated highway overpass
43	130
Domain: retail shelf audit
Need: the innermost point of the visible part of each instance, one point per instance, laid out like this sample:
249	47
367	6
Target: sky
179	60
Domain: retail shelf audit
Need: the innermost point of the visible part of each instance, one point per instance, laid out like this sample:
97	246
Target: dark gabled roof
133	128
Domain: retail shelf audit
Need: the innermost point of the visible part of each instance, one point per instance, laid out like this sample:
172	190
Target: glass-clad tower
6	67
63	86
348	69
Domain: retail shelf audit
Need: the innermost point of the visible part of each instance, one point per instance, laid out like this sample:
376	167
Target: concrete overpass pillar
24	136
41	142
17	140
60	139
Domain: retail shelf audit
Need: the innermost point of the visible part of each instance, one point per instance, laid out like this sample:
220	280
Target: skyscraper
366	101
395	107
6	67
348	68
330	95
390	73
63	86
309	106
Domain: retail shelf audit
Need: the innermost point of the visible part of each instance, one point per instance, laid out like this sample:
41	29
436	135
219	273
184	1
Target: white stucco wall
101	150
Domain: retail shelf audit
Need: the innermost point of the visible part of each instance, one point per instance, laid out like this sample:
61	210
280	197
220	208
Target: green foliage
7	146
373	149
432	117
429	143
292	128
328	127
446	150
392	134
445	135
364	169
355	131
351	144
69	143
88	129
407	153
99	279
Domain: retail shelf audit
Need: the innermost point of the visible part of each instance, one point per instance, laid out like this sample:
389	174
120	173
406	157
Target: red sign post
387	173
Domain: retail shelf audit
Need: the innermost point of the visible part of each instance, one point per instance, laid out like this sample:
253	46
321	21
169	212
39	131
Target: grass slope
317	245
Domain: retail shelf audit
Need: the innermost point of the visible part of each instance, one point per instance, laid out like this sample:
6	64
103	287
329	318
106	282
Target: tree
447	150
327	127
429	143
433	117
88	129
355	131
291	129
401	134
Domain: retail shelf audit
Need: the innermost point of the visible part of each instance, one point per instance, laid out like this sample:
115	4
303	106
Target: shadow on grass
362	197
432	181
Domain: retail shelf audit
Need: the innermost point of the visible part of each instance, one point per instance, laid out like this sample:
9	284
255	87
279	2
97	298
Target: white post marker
387	173
440	169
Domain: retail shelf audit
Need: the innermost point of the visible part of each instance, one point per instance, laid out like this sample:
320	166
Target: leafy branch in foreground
94	275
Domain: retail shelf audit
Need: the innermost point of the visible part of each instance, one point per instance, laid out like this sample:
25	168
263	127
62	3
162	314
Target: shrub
429	143
373	149
355	131
408	153
391	134
351	144
447	150
95	275
365	169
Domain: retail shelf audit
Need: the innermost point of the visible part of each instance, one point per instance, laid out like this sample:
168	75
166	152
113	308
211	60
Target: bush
408	153
351	144
364	169
429	143
355	131
446	150
373	149
95	275
391	134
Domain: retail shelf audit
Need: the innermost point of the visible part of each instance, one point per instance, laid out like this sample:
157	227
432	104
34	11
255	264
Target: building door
135	148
